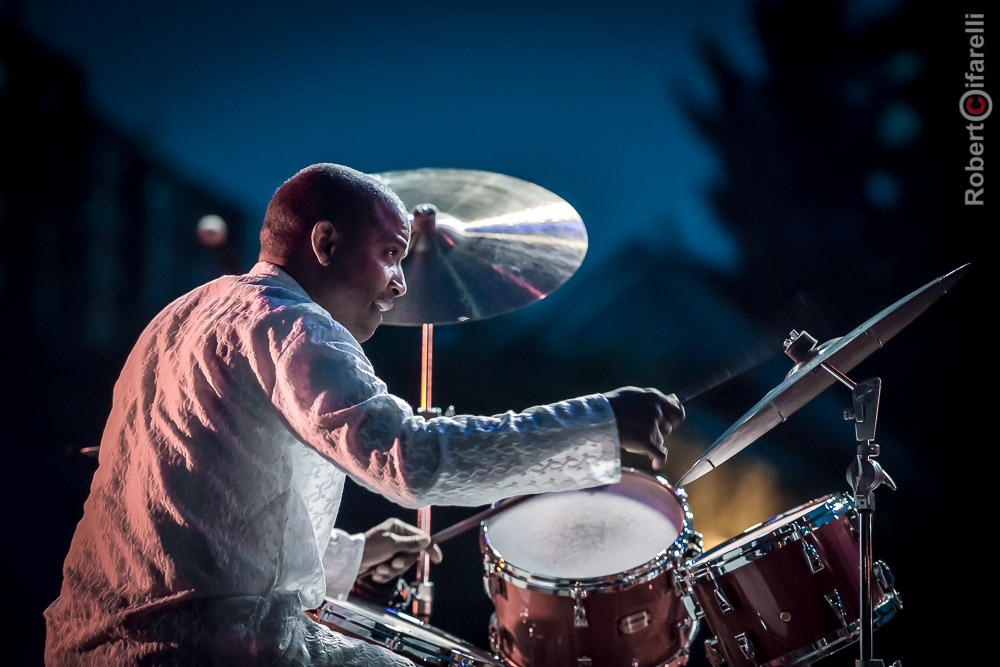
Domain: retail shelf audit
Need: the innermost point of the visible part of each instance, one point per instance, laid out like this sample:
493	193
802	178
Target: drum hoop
726	558
380	634
662	562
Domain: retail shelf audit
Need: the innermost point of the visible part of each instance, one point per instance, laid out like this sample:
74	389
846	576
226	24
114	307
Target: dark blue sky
576	97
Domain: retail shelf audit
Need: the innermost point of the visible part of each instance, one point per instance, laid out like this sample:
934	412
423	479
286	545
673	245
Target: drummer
236	419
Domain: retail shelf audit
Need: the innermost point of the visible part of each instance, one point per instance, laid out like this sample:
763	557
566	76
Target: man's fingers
676	414
665	425
393	568
658	452
412	539
412	543
418	543
382	573
402	562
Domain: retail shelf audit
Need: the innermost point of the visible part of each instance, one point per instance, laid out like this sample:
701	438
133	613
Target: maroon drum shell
548	637
536	626
776	600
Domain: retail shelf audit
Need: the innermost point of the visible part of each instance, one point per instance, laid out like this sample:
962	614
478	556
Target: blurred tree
844	160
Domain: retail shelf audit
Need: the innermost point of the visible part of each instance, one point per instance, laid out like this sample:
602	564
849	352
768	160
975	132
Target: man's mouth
383	305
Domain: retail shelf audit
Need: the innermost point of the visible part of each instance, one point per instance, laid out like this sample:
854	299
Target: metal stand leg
865	475
423	588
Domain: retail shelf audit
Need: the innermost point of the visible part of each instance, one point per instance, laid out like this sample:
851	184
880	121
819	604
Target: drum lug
633	623
724	604
746	646
853	523
695	547
892	603
812	557
809	551
584	661
494	630
579	613
497	583
884	576
712	652
723	601
833	599
693	605
686	631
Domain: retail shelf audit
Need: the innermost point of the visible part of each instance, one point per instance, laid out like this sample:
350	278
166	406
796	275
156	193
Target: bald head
343	196
342	236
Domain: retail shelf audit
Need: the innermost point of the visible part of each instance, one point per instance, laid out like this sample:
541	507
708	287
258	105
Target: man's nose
398	283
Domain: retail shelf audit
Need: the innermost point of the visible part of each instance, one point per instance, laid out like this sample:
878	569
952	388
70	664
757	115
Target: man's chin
367	330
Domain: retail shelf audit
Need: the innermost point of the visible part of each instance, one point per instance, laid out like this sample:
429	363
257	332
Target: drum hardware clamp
687	630
809	551
724	604
579	613
746	646
836	604
712	652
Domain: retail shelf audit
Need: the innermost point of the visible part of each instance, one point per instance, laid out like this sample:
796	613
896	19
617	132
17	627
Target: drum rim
651	569
347	611
724	558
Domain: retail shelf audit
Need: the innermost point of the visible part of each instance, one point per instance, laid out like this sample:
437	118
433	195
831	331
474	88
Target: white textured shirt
235	421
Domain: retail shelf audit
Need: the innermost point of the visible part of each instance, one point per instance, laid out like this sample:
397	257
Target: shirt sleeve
342	562
326	390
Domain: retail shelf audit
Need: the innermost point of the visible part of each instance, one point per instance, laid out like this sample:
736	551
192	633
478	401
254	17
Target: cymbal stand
864	475
423	587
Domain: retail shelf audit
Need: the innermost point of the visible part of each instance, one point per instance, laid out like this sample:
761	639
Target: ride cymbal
482	244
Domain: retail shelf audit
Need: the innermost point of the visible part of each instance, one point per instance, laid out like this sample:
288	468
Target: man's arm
328	392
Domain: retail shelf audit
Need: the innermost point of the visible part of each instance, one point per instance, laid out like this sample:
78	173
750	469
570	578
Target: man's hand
392	547
645	417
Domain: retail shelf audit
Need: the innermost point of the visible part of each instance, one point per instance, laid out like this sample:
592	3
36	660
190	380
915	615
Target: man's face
365	275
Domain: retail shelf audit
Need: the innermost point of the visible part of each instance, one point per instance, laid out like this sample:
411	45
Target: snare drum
585	577
786	592
402	634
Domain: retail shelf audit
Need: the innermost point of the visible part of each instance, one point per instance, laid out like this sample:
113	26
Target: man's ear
324	241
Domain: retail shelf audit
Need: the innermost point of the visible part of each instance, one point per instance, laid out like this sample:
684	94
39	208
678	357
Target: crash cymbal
807	379
482	244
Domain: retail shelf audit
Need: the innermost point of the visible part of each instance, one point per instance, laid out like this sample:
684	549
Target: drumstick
747	359
474	520
802	309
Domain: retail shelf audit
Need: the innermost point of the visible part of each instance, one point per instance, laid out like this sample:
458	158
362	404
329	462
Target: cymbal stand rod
865	475
426	365
424	587
844	380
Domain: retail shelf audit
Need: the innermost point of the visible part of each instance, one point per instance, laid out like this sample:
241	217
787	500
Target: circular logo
975	105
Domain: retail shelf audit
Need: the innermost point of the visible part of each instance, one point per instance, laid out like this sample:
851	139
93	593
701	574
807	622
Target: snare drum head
590	533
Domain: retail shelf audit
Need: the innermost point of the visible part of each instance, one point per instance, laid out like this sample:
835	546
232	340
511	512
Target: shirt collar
280	275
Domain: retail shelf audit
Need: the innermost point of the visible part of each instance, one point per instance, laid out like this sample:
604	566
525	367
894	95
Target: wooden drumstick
474	520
